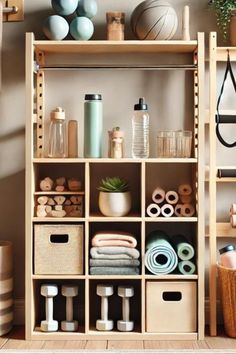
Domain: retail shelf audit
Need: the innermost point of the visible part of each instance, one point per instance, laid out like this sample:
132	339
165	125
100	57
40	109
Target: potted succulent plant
226	17
114	197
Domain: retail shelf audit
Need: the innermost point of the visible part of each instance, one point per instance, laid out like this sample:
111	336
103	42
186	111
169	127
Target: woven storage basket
227	282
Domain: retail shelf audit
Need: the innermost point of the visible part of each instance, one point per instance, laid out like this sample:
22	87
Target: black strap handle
228	70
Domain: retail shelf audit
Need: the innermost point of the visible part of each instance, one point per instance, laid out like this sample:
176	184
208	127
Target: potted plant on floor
226	17
114	197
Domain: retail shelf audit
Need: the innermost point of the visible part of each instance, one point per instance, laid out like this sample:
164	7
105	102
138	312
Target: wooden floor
15	340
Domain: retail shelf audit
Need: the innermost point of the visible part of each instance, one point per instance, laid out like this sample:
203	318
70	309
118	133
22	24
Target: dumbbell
49	291
125	325
104	291
70	291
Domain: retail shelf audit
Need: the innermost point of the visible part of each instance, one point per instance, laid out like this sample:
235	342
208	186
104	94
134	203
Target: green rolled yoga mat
183	248
186	267
160	257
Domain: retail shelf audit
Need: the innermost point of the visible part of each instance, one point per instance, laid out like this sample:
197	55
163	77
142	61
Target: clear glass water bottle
140	130
57	134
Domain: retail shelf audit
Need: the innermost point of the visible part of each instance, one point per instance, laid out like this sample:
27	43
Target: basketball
154	20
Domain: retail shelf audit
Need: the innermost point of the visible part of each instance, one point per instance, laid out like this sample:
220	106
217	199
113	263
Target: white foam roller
153	210
158	195
172	197
167	210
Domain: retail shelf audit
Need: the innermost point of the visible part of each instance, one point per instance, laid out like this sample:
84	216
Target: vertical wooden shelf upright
216	229
137	221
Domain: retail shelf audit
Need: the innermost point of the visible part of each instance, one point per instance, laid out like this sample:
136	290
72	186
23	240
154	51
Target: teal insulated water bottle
93	126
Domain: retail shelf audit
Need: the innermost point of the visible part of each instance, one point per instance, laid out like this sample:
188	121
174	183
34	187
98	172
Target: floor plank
125	344
96	344
64	344
17	340
179	344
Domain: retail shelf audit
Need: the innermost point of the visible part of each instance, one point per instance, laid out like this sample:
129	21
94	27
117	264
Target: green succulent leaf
113	184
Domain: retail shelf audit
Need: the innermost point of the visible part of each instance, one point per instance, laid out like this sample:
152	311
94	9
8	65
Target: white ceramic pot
114	204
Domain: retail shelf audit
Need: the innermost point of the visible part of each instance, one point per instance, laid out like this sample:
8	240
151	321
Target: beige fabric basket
58	249
227	282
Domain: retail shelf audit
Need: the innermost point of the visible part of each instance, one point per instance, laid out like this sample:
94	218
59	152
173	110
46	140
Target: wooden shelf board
171	219
223	229
50	219
171	277
130	217
222	53
111	277
124	160
106	47
58	276
59	193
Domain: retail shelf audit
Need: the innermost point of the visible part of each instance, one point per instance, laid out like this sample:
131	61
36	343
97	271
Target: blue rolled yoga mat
160	257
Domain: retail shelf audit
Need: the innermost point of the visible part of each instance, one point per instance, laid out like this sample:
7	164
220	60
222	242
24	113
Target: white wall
168	100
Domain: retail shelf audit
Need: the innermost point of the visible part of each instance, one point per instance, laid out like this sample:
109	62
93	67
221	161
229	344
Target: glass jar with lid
57	134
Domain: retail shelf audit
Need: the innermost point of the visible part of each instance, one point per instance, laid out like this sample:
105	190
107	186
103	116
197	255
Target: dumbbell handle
69	308
125	309
49	308
104	308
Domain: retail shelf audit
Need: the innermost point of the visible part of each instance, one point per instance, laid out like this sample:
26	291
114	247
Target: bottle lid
117	133
58	113
141	106
227	249
93	97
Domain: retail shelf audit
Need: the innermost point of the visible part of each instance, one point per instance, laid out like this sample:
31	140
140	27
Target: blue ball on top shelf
81	28
87	8
64	7
55	27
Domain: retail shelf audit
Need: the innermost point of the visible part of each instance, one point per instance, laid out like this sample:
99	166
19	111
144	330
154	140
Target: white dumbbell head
69	290
51	326
125	326
104	325
69	326
125	291
104	290
49	290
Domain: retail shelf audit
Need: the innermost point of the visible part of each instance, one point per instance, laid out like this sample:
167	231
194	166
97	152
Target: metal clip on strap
218	116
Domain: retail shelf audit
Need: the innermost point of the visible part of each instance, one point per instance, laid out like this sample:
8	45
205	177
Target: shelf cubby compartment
54	171
133	228
129	171
168	177
189	231
59	304
115	304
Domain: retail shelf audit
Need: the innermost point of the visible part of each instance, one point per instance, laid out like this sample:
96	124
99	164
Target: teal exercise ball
55	28
81	28
87	8
65	7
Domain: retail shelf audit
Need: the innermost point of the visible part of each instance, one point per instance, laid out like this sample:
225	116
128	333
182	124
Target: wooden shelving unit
216	229
37	53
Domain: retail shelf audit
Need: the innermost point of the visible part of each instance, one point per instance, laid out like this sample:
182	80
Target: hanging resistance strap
228	70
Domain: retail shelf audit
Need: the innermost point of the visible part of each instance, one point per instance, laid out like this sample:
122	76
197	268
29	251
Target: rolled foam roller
183	247
172	197
167	210
233	220
186	267
178	210
160	256
158	195
186	199
187	210
153	210
185	189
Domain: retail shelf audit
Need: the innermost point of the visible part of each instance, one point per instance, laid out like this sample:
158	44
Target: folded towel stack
114	253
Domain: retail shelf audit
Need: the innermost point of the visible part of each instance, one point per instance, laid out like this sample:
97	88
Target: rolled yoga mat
153	210
183	247
185	189
172	197
158	195
160	257
186	267
167	210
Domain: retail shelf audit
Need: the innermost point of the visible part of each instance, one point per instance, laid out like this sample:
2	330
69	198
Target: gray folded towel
114	271
114	262
114	252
